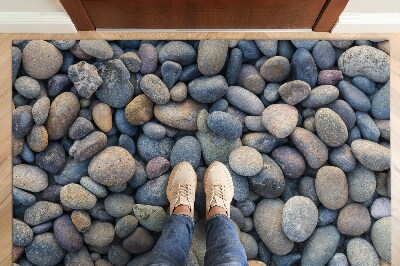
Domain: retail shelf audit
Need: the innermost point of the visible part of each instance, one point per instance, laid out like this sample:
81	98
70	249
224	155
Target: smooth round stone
181	115
151	217
100	234
155	89
66	234
330	127
380	108
364	84
324	55
186	149
295	91
40	110
90	145
254	123
275	69
179	52
153	192
249	244
37	139
381	207
384	128
179	92
224	125
365	61
75	196
361	252
356	98
244	100
73	170
329	77
339	259
126	226
299	218
331	186
112	167
97	189
170	72
208	89
81	220
326	216
156	167
240	184
154	130
27	87
354	220
41	59
16	61
139	241
82	257
22	197
309	124
17	146
42	211
29	177
118	205
249	49
189	73
233	67
57	84
372	155
289	160
303	67
52	159
117	255
247	207
362	184
344	110
304	44
149	57
22	233
102	117
246	161
270	182
343	158
131	61
250	79
63	111
280	119
149	148
211	56
369	130
44	250
286	49
341	44
80	128
51	193
307	189
22	121
85	78
381	238
27	154
100	49
271	93
268	225
268	47
140	110
321	95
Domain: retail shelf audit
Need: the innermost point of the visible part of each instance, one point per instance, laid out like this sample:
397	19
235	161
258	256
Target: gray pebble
179	92
303	67
44	250
155	89
42	211
151	217
126	226
77	197
100	234
211	56
149	57
40	110
29	177
380	108
80	128
330	127
343	158
245	161
153	192
179	52
320	96
100	49
118	205
27	87
224	125
208	89
22	233
367	257
381	207
295	91
275	69
186	149
244	100
372	155
170	72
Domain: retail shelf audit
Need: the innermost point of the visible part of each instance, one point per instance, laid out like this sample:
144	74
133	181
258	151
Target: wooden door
319	15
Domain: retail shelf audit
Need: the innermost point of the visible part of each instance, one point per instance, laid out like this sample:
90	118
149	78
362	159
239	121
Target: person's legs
223	243
174	244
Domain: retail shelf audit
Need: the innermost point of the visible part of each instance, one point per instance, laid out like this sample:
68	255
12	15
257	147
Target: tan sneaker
182	186
218	187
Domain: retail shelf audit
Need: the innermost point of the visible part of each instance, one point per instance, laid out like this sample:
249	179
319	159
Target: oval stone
224	125
155	89
331	186
208	89
367	257
303	67
211	56
280	119
354	220
244	100
29	177
372	155
295	91
320	96
330	127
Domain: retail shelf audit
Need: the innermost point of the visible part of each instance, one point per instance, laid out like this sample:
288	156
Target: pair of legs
223	244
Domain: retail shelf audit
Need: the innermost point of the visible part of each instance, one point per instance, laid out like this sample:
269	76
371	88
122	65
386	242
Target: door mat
302	127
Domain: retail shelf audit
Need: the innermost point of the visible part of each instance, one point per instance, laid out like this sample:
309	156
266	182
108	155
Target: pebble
354	220
329	77
42	211
289	160
380	108
29	177
152	218
275	69
95	188
364	84
369	130
113	166
85	78
247	207
321	246
186	149
99	234
233	67
102	117
343	158
368	255
179	52
237	217
154	130
16	61
246	161
118	205
381	238
240	184
331	186
66	234
44	250
271	93
57	84
384	128
155	89
280	119
345	111
41	59
81	220
268	47
250	79
149	148
224	125
326	216
22	234
179	92
117	255
80	128
189	73
365	61
90	145
100	49
148	56
249	244
131	61
380	208
303	67
249	49
63	112
27	87
330	127
339	259
321	95
170	72
307	189
153	192
139	241
268	224
156	167
211	56
372	155
77	197
40	110
37	139
294	92
324	55
22	197
182	115
22	121
140	110
116	89
82	257
356	98
52	159
126	226
208	89
308	45
299	218
254	123
244	100
72	171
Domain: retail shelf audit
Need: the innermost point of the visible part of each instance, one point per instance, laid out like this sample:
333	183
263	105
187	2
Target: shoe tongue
182	201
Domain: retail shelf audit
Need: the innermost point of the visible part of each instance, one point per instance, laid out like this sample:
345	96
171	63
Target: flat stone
75	196
100	49
152	218
294	92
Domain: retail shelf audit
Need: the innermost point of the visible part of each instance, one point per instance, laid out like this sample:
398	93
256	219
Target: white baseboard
367	23
36	22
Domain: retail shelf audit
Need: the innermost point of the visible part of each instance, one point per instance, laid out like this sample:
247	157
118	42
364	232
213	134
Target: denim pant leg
223	244
174	244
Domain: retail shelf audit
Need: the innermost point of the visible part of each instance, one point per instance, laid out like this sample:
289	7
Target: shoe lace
218	191
183	191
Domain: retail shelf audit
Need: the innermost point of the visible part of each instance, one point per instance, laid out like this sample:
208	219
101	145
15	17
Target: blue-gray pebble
364	84
154	130
324	55
303	67
244	100
153	192
208	89
353	96
186	149
369	130
149	148
224	125
233	67
380	108
170	72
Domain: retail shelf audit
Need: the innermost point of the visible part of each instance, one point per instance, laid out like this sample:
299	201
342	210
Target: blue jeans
223	244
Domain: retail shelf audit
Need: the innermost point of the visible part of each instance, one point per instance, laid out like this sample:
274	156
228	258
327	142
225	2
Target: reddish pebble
156	167
329	77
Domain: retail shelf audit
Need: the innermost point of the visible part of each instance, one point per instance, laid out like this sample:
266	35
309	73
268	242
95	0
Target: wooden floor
5	109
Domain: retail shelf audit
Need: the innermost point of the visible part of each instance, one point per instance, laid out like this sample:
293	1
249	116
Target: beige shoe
182	186
218	187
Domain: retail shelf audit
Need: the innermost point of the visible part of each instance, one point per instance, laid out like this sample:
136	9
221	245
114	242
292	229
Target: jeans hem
216	215
184	215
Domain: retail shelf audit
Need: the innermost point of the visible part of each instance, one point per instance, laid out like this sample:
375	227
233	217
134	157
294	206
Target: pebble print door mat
303	127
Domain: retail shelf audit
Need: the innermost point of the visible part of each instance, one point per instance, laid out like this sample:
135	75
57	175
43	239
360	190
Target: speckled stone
139	241
368	255
211	56
249	244
153	192
27	87
16	61
381	207
40	110
372	155
354	220
280	119
22	234
330	127
369	130
224	125
354	97
244	100
131	61
179	52
186	149
170	72
179	92
208	89
22	121
362	183
100	49
294	92
52	159
156	167
267	47
149	57
80	128
331	186
249	49
81	220
245	161
100	234
89	146
303	67
275	69
250	79
380	108
66	234
307	189
75	196
140	110
44	250
42	211
29	177
289	160
320	96
152	218
85	78
126	226
345	111
343	158
38	138
102	117
381	238
118	204
155	89
324	55
233	66
329	77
